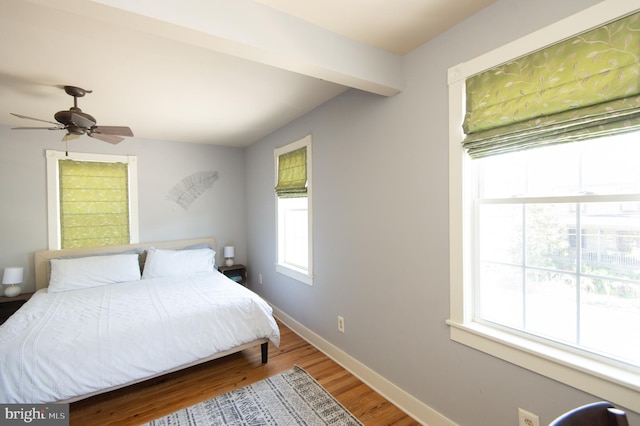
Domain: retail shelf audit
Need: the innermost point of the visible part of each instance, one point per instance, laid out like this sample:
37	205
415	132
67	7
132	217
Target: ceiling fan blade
37	128
32	118
112	130
112	139
81	121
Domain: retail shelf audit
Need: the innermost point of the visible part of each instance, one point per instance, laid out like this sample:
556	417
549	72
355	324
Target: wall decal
190	188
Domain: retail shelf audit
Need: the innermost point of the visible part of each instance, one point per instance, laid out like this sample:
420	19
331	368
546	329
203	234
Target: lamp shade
229	251
12	275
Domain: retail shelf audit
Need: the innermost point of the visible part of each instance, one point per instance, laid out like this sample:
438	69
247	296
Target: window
532	274
293	199
92	199
545	261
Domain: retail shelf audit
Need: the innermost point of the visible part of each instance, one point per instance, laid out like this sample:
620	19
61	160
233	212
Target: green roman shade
584	87
94	204
292	174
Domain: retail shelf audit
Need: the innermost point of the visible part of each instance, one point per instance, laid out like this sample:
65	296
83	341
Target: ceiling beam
255	32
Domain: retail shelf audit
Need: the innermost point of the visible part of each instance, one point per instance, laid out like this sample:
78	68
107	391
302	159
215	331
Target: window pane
610	165
296	235
610	283
549	231
610	313
294	228
600	166
551	305
501	233
552	171
611	239
558	244
501	291
503	175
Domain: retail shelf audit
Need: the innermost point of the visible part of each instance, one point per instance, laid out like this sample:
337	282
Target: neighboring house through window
293	205
545	202
92	199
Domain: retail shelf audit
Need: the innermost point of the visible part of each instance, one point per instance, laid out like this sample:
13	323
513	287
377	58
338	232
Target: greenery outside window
293	208
545	267
92	199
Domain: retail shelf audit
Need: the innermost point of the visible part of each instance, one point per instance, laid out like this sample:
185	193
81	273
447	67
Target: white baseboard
419	411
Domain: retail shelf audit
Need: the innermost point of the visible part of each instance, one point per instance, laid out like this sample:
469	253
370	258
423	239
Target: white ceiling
225	72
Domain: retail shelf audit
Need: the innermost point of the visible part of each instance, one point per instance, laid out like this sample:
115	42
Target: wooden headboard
43	265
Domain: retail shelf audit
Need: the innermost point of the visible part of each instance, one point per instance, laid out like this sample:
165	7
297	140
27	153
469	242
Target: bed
99	322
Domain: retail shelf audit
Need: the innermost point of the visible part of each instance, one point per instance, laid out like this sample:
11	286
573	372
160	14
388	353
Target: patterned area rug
289	398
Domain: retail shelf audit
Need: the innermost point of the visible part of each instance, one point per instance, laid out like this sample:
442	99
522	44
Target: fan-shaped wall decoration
190	188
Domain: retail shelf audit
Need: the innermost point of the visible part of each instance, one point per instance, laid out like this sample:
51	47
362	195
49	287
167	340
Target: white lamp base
229	261
12	291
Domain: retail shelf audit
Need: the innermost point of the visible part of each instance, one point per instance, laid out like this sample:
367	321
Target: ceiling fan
78	123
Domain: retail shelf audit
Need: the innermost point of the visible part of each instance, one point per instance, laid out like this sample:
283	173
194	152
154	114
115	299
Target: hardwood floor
158	397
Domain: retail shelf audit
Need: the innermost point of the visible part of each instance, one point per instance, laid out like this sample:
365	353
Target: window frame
53	187
299	274
606	380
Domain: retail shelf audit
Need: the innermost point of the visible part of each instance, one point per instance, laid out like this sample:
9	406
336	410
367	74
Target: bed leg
264	348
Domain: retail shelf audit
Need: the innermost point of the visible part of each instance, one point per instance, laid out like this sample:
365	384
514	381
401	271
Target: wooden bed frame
42	261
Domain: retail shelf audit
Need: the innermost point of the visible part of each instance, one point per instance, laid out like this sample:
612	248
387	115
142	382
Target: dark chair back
596	414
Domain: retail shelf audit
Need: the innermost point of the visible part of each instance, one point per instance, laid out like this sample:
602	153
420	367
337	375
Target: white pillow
93	271
165	263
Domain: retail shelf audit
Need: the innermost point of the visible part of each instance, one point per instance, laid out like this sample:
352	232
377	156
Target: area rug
289	398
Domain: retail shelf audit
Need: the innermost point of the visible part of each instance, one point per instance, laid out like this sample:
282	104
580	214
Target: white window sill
295	273
615	384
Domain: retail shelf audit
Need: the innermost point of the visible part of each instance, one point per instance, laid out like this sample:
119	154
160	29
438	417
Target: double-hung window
293	204
545	203
92	199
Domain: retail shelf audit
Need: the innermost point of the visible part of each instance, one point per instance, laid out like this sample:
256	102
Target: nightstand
8	305
237	273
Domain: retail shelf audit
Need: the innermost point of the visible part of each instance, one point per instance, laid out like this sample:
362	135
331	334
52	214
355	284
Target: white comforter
62	345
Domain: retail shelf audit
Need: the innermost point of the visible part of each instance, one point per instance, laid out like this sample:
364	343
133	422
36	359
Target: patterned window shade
585	87
94	204
292	174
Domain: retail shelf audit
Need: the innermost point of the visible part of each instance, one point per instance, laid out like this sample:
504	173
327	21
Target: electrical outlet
259	278
340	324
526	418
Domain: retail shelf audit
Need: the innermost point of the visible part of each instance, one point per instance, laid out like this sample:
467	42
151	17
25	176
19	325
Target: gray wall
381	231
218	212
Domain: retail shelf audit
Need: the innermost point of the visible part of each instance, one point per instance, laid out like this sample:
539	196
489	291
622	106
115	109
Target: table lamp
11	277
229	253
